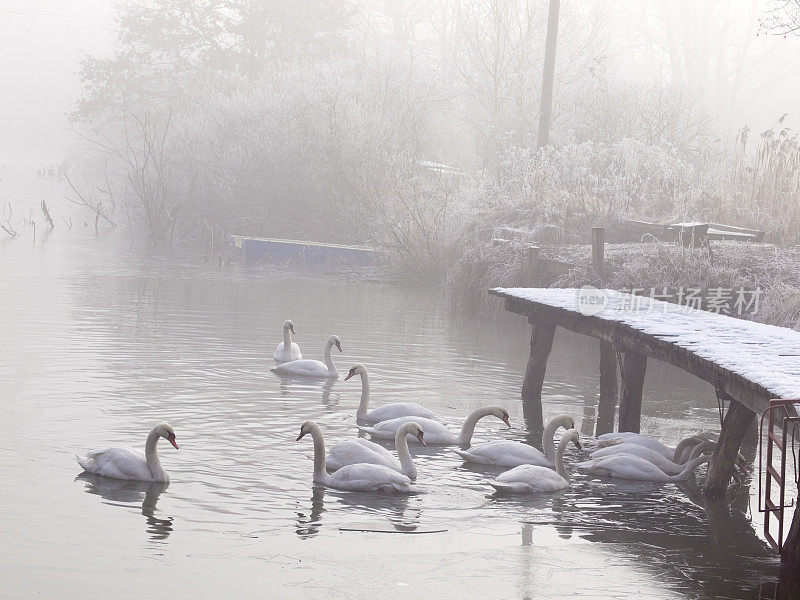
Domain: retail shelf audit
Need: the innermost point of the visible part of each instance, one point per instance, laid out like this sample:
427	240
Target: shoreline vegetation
216	118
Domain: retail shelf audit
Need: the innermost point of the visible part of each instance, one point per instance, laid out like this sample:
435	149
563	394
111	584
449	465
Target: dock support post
599	250
607	405
532	265
634	366
541	343
735	425
790	559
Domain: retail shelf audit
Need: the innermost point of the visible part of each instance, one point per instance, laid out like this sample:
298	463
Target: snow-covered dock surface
765	355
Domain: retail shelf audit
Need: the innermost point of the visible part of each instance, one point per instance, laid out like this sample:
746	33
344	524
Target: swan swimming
287	350
363	451
673	454
510	453
313	368
535	478
361	477
386	411
666	465
629	466
435	432
124	462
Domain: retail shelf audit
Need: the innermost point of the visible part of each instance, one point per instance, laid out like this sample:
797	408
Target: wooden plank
542	335
634	366
738	419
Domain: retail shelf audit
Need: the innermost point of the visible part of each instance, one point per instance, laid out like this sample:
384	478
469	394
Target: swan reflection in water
394	508
120	492
290	386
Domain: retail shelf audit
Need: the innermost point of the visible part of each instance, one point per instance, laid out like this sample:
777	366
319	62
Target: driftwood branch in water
96	208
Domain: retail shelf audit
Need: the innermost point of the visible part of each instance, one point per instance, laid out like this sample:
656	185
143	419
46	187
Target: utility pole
548	71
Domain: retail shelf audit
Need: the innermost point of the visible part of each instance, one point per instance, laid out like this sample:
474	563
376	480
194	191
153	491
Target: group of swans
359	464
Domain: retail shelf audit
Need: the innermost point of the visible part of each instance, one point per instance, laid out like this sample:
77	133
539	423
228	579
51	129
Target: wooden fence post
598	250
607	405
738	419
634	366
541	343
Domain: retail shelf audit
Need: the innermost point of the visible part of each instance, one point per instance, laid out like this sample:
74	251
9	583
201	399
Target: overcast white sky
40	42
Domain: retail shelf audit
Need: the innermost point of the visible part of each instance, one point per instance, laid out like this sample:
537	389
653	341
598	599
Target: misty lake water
102	340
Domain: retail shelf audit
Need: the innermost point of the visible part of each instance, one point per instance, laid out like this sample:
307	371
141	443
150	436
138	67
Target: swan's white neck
320	475
548	445
329	358
151	455
407	466
287	340
562	446
362	408
465	437
690	466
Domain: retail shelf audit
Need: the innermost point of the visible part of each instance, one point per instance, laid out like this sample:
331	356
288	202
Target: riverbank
764	276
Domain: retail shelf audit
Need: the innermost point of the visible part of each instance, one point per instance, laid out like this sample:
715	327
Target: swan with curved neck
362	477
629	466
386	411
435	432
535	478
666	465
510	453
360	450
673	454
287	350
313	368
123	462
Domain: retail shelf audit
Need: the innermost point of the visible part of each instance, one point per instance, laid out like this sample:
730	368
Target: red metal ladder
776	442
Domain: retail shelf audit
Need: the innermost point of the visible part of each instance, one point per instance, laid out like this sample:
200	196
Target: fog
193	190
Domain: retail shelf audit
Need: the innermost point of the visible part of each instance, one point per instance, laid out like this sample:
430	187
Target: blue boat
258	250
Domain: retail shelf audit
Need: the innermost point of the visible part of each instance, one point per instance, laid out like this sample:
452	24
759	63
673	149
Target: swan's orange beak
506	421
419	437
291	328
299	437
172	441
350	374
339	346
578	444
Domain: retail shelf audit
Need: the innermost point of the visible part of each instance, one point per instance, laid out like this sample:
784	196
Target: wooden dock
748	363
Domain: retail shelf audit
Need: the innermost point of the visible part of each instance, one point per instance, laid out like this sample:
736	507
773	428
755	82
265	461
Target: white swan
666	465
363	477
287	350
124	462
535	478
435	432
629	466
387	411
313	368
510	453
673	454
357	451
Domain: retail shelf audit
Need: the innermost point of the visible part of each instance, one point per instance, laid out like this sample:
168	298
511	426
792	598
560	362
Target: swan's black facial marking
302	433
350	373
338	345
